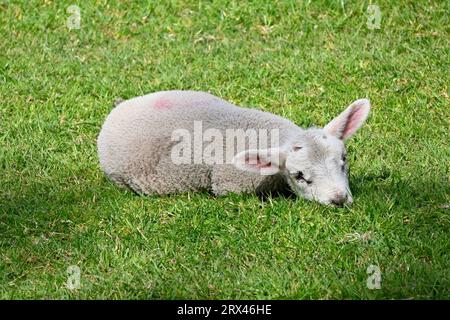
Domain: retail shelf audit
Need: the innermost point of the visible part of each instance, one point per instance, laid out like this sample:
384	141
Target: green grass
305	60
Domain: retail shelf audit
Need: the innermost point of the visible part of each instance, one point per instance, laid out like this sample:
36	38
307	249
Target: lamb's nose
339	199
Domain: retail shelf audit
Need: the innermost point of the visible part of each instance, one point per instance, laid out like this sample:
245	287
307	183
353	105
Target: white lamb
142	139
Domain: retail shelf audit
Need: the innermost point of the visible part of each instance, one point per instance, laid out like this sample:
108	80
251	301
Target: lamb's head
314	161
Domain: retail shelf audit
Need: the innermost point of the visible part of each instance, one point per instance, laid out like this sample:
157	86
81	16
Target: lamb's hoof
118	101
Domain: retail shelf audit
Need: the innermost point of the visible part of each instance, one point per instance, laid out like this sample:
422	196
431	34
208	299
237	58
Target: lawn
304	60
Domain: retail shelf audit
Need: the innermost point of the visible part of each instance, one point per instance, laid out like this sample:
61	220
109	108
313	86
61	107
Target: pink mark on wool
162	103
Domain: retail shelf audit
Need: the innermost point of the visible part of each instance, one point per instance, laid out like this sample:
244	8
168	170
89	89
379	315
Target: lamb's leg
226	178
169	178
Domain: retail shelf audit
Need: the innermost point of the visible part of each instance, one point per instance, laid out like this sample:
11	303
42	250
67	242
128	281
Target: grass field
304	60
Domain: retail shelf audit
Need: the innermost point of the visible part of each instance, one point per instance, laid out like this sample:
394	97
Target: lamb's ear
346	124
262	161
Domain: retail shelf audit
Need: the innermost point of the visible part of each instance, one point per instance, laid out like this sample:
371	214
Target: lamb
178	141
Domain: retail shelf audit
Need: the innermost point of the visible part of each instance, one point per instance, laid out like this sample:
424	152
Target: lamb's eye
299	176
344	161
